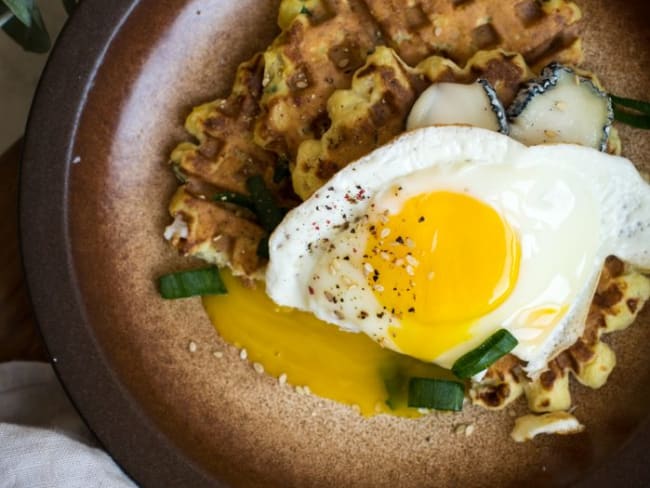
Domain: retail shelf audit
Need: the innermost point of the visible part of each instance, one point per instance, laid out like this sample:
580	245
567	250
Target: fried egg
435	241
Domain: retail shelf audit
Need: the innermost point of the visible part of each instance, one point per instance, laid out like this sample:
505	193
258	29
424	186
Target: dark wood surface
19	336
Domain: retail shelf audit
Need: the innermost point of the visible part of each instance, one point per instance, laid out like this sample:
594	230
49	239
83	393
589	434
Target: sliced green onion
496	346
178	172
236	198
268	213
263	248
395	383
634	120
205	281
281	170
436	394
639	105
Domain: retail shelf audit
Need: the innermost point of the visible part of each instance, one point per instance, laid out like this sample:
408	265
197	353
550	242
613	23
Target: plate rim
107	408
105	405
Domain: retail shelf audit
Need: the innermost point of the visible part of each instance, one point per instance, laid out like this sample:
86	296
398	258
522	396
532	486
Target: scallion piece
436	394
236	198
639	121
263	248
205	281
639	105
268	213
635	113
496	346
281	170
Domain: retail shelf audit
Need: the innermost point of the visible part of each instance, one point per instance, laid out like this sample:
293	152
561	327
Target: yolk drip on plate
347	367
439	263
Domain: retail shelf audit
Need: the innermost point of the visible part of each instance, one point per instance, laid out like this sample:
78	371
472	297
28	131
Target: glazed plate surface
94	189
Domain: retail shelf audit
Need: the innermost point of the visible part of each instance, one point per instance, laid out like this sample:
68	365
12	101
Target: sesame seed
469	430
243	354
385	233
423	411
307	390
411	260
379	288
258	368
302	84
385	256
399	262
217	354
282	379
410	242
191	346
409	270
367	267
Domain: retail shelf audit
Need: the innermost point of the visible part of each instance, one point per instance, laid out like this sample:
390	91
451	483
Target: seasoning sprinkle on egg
479	238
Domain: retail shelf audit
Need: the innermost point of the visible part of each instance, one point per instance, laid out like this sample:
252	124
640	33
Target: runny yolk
441	262
346	367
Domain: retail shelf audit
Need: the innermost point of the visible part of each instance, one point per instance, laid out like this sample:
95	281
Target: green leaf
32	36
21	9
69	5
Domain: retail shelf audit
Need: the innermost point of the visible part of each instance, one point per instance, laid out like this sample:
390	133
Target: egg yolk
439	263
342	366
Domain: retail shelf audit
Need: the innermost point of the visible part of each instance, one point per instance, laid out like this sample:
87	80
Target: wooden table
19	336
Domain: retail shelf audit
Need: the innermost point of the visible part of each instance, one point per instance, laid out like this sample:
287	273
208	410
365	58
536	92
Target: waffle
375	108
314	56
222	160
324	42
620	295
457	29
218	233
279	98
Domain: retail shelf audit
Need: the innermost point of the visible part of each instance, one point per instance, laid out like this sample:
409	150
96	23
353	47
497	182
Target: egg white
571	205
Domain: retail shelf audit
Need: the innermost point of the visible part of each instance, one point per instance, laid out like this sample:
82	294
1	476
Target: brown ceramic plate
114	96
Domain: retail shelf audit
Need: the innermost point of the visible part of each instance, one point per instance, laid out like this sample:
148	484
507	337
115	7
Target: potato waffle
620	295
223	159
457	29
375	108
326	41
280	99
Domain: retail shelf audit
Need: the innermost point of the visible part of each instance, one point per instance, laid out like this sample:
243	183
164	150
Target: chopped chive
395	384
204	281
263	248
236	198
268	213
281	171
494	347
639	105
436	394
634	120
178	172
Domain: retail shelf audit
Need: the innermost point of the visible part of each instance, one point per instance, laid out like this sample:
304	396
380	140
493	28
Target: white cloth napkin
43	442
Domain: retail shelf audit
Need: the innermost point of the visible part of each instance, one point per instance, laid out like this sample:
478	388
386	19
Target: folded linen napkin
43	441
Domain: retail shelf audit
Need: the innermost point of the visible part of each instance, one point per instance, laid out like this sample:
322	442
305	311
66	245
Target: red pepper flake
311	290
421	219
